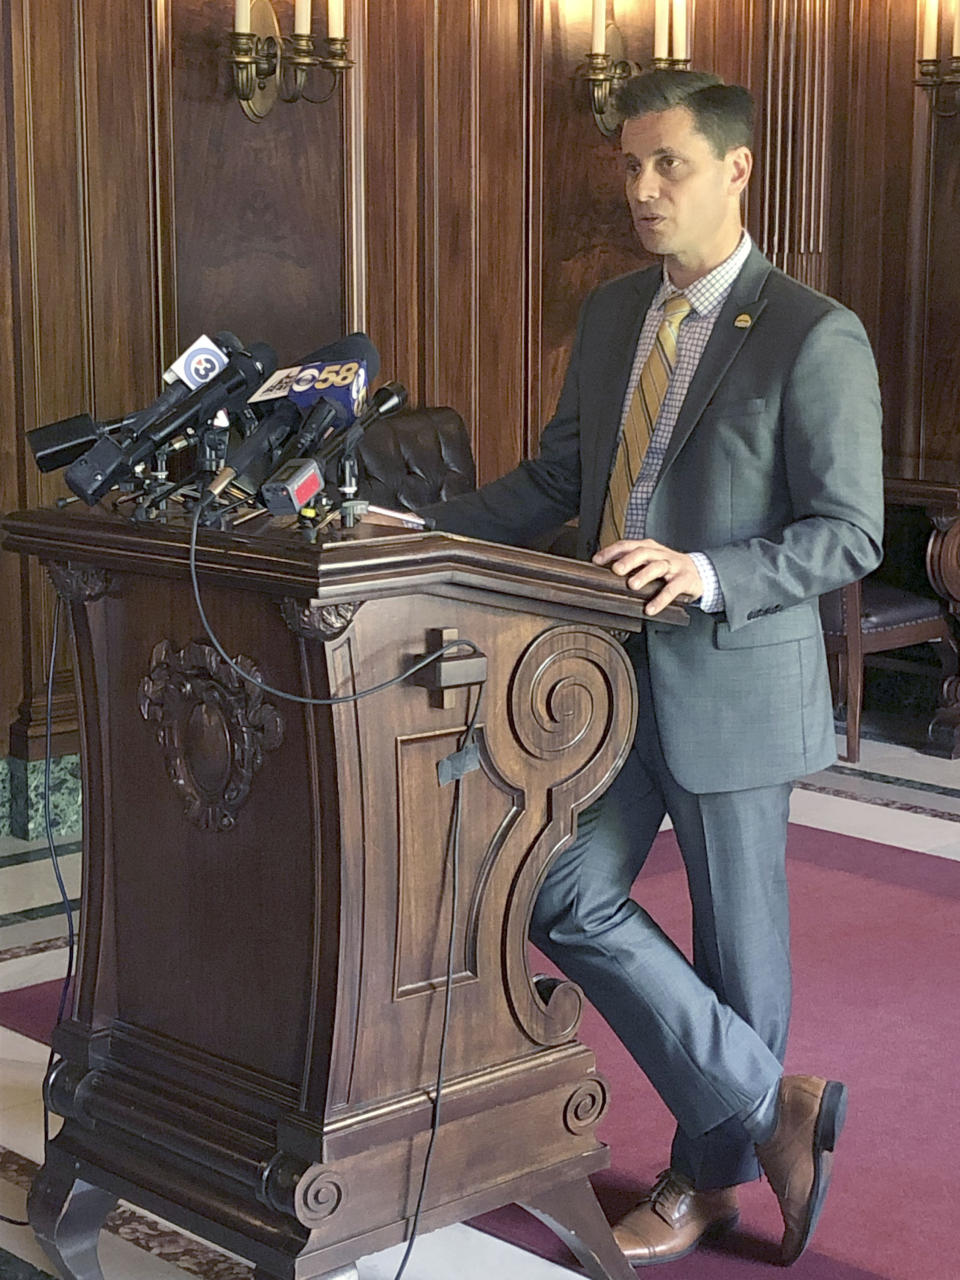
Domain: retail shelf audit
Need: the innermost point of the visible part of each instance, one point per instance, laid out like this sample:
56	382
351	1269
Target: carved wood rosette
213	727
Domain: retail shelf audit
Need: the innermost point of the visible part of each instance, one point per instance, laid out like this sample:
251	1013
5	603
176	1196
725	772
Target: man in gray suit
718	432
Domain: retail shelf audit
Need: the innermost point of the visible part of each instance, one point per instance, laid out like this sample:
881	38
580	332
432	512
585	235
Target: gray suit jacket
773	470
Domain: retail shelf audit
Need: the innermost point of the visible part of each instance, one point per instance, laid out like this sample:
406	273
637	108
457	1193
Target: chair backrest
415	457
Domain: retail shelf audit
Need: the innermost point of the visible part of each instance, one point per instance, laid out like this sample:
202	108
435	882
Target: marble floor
894	795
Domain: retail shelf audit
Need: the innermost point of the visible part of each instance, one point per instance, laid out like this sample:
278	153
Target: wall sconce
929	75
267	65
607	66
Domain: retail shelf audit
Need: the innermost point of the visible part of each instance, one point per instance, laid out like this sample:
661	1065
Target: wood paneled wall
143	209
460	207
499	205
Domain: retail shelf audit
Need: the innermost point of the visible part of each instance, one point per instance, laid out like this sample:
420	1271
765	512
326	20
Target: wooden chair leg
854	708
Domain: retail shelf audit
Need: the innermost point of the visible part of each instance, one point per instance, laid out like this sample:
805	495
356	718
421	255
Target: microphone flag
198	364
341	382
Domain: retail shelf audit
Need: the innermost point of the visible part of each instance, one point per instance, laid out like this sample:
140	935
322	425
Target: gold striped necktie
645	404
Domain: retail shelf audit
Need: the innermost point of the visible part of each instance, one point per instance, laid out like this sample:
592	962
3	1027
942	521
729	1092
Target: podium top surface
272	556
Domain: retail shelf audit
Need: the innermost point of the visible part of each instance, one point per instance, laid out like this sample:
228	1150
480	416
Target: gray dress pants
711	1035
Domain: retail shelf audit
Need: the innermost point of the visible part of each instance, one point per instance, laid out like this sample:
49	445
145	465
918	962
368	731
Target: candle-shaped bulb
336	25
930	40
680	29
302	17
661	31
598	28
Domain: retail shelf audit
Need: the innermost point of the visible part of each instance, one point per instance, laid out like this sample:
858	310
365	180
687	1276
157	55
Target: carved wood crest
78	583
315	621
213	726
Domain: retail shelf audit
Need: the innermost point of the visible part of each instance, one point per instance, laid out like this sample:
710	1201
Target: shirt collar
707	293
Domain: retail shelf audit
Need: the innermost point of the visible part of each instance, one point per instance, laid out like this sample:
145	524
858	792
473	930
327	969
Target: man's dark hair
723	113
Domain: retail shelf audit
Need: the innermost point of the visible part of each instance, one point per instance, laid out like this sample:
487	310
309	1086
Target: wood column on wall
876	130
84	313
446	220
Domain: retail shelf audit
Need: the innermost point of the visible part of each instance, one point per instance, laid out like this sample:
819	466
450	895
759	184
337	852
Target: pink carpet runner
876	945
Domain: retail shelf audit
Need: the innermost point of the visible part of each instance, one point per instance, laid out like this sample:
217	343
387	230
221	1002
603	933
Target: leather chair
873	617
415	457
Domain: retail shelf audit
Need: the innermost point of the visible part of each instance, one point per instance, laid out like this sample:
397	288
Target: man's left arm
833	450
830	420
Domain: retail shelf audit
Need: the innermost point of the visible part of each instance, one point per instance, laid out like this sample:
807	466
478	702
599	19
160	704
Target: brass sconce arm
944	89
603	74
266	66
254	59
605	70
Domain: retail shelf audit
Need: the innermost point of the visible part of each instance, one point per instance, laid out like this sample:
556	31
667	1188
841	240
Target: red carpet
877	965
876	946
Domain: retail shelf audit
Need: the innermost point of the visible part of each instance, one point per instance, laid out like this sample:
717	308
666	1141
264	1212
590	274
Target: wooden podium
252	1050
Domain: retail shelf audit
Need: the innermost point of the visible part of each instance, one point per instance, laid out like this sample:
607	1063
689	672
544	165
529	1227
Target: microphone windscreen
227	341
355	346
266	358
58	443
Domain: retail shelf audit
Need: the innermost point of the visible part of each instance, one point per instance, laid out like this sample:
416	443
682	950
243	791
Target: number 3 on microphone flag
201	360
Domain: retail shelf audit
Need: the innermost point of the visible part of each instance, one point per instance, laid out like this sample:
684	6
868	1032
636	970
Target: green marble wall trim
21	797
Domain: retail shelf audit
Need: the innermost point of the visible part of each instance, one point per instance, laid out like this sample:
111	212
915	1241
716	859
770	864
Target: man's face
684	199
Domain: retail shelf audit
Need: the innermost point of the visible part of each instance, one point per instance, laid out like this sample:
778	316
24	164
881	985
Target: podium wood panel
252	1051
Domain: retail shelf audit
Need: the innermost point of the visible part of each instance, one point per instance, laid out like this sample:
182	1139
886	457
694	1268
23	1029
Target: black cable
455	827
454	844
48	825
467	645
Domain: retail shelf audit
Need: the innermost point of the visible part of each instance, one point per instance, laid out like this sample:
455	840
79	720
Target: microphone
293	486
331	384
299	479
57	444
103	466
201	361
340	372
385	400
272	431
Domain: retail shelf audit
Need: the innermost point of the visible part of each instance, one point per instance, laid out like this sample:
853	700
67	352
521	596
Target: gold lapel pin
743	321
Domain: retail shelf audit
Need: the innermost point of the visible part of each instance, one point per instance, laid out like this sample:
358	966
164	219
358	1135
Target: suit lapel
733	327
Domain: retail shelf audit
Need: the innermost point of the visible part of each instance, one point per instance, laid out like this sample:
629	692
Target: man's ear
740	161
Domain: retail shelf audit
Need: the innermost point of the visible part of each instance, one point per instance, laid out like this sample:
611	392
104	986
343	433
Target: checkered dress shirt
706	296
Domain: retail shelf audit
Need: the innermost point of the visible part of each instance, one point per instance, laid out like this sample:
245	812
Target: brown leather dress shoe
673	1219
798	1157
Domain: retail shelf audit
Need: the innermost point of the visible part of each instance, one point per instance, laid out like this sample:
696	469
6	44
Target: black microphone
326	415
179	386
354	346
57	444
272	431
384	401
110	461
